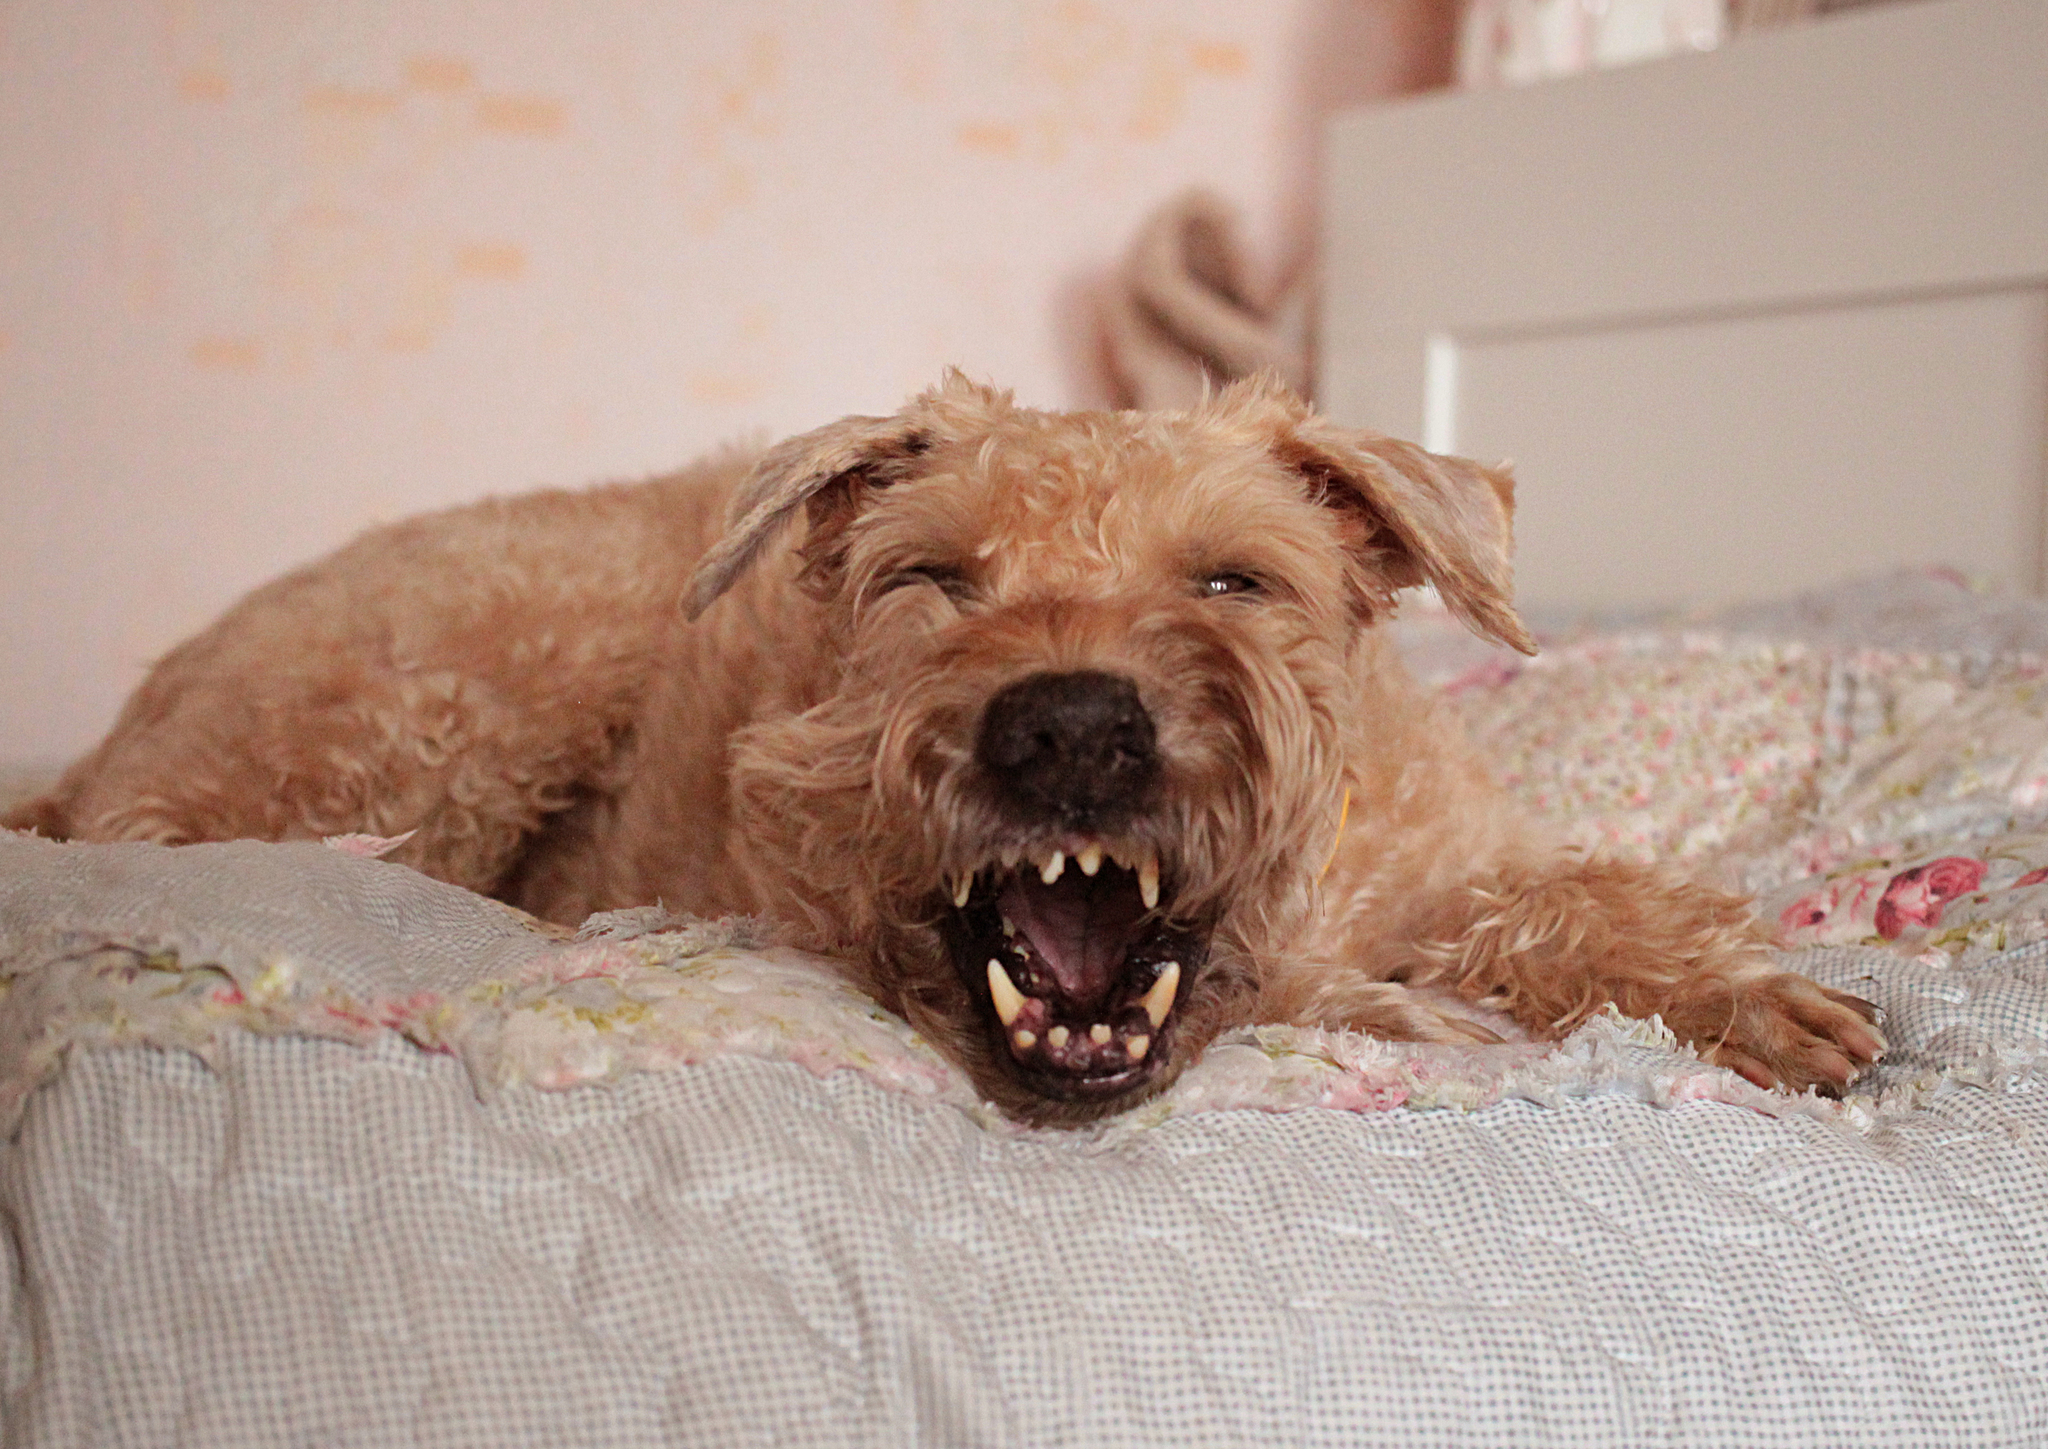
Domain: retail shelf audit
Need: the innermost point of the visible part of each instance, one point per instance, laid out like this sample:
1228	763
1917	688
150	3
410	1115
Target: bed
301	1147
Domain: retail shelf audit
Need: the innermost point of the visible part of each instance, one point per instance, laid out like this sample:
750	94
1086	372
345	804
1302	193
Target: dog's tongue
1081	927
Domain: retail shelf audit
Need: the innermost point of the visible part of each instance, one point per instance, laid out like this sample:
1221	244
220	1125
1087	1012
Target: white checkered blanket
303	1148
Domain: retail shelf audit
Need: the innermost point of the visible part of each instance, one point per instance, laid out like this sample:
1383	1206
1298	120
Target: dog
1077	738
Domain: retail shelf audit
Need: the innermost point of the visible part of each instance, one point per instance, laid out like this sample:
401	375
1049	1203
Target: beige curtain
1181	314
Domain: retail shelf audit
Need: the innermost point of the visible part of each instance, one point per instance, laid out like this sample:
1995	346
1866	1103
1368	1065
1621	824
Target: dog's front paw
1794	1033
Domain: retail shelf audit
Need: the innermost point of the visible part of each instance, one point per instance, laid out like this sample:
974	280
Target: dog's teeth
1055	866
1025	1040
1003	991
1099	1034
1148	880
962	888
1159	1000
1137	1046
1090	858
1009	927
1058	1037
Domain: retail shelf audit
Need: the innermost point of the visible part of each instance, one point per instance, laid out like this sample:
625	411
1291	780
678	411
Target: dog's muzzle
1062	931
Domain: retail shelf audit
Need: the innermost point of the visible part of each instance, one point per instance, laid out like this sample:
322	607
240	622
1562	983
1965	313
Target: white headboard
1747	321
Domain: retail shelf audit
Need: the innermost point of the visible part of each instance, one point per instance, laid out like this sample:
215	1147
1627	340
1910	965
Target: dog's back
458	675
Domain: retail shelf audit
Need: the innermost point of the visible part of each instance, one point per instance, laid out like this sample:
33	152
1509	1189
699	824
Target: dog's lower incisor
1076	737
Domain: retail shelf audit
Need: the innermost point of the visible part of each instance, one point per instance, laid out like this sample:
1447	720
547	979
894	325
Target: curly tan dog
1074	735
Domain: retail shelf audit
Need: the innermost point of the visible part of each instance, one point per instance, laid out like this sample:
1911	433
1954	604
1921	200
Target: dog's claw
1870	1011
1473	1031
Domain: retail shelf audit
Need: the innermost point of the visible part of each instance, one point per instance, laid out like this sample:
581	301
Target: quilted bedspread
303	1148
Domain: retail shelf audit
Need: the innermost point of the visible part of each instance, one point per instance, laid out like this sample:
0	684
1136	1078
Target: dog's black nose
1077	748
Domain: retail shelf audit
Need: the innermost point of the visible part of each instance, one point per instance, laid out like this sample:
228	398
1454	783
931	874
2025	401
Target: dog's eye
947	579
1223	585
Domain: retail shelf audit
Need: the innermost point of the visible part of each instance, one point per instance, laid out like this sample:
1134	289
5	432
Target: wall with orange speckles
271	272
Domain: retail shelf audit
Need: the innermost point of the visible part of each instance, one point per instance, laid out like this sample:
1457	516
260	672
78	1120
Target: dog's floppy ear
1434	518
791	475
1449	519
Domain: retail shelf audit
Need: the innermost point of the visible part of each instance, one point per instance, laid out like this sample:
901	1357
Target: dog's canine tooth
1003	991
1089	857
1137	1046
1055	866
962	888
1148	879
1058	1037
1159	1000
1099	1033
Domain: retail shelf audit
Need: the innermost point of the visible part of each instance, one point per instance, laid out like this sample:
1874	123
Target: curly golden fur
1074	736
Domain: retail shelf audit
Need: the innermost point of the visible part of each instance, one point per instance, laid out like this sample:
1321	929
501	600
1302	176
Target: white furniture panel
1915	425
1746	321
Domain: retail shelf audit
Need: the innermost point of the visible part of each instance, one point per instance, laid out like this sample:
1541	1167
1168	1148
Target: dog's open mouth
1080	967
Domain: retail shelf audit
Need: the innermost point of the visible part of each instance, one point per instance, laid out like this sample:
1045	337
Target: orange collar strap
1343	815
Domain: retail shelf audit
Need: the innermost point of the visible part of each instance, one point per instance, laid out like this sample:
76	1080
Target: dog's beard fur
876	822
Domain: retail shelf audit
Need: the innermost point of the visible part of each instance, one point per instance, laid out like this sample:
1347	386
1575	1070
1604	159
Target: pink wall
271	272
